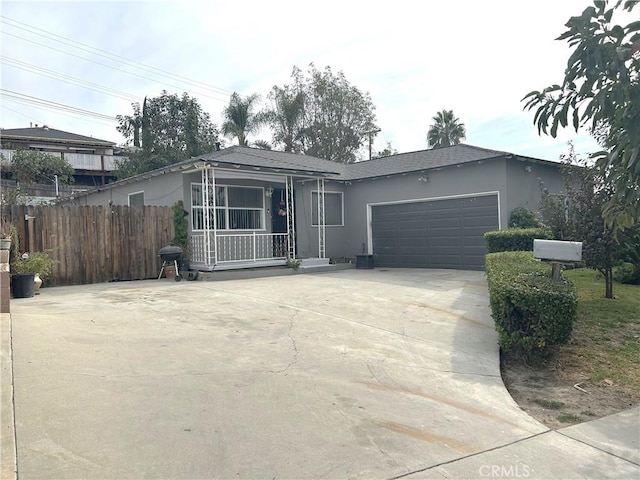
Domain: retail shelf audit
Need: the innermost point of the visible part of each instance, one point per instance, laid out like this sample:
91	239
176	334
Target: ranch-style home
251	207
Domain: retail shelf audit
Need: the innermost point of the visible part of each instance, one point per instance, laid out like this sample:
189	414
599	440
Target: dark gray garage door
434	234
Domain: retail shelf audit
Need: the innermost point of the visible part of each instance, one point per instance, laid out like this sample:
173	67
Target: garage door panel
480	221
445	222
438	234
415	242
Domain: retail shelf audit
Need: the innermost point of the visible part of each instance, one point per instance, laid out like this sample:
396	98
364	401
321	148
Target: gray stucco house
251	207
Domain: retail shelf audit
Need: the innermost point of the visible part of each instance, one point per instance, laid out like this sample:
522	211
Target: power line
28	99
19	113
112	67
66	114
103	53
67	78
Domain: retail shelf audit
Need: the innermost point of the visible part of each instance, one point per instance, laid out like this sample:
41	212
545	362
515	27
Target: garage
445	233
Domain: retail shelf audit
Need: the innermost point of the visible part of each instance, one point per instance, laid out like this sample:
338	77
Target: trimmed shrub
627	273
531	311
515	239
522	218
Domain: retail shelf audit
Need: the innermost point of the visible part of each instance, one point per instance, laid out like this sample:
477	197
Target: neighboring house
250	207
93	159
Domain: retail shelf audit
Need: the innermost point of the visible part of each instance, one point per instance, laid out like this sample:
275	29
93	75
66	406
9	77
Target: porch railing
240	247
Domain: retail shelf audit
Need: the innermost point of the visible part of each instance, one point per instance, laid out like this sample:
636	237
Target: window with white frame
236	208
333	209
136	200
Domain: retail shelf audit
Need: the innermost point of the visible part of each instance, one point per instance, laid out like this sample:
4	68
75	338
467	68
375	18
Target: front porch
244	250
246	219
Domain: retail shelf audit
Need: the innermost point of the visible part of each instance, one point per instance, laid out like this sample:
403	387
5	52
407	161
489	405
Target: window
236	208
333	209
136	199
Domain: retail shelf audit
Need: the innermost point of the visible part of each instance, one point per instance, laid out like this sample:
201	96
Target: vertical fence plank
94	243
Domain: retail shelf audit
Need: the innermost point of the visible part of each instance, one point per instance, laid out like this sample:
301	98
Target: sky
477	58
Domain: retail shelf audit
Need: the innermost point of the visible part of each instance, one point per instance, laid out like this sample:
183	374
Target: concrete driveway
352	374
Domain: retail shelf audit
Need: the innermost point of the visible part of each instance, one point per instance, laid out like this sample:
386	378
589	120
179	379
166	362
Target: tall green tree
241	119
32	166
167	129
129	125
580	217
386	152
337	115
601	91
285	117
321	114
446	130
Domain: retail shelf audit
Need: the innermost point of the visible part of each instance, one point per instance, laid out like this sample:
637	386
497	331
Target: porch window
333	209
237	208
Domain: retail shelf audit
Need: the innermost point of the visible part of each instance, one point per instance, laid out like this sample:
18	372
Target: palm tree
239	118
446	130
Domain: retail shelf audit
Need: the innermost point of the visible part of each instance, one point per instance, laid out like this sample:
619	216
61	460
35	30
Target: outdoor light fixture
423	178
269	191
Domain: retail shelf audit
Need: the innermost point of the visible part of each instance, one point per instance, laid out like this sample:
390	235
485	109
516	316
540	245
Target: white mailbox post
557	252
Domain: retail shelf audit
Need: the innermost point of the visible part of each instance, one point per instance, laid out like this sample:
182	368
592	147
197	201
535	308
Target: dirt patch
548	394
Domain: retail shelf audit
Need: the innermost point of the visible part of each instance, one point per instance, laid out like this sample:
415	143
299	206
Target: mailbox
557	250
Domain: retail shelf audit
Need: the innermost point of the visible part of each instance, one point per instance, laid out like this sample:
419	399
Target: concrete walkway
353	374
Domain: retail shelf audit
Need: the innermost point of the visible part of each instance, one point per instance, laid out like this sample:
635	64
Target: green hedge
514	239
531	311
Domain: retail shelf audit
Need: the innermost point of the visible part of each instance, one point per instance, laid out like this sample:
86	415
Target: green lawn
605	344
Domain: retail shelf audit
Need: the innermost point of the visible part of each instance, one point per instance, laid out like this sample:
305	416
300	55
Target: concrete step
314	262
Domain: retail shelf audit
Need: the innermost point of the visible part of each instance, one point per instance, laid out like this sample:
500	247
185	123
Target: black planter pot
22	285
364	261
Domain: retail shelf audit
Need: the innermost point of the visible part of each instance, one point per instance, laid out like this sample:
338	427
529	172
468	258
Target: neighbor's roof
52	135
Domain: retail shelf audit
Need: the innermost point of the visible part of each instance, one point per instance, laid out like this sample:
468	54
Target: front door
278	211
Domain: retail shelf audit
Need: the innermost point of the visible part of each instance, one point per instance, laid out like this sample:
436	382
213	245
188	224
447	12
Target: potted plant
181	233
24	271
5	241
5	236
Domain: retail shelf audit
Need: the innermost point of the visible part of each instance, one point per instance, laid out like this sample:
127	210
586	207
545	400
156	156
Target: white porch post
291	218
321	221
209	203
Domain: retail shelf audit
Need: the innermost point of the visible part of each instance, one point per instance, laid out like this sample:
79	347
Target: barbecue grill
170	255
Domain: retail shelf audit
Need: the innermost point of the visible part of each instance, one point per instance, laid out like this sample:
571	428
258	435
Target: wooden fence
94	244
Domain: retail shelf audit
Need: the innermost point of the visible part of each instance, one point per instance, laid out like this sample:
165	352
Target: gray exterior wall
523	187
471	178
516	179
306	235
162	190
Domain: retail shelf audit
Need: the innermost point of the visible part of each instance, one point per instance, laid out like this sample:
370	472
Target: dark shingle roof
393	165
51	134
273	159
420	160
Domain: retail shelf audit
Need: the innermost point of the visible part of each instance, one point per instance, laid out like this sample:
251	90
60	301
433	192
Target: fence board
93	244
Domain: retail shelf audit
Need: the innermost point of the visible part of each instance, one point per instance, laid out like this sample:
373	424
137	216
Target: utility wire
21	114
58	112
67	79
115	68
28	99
109	55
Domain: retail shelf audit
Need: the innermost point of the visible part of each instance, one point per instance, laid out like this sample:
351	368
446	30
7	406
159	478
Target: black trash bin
22	285
364	261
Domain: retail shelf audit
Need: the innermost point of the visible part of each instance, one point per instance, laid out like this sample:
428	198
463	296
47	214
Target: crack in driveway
294	360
